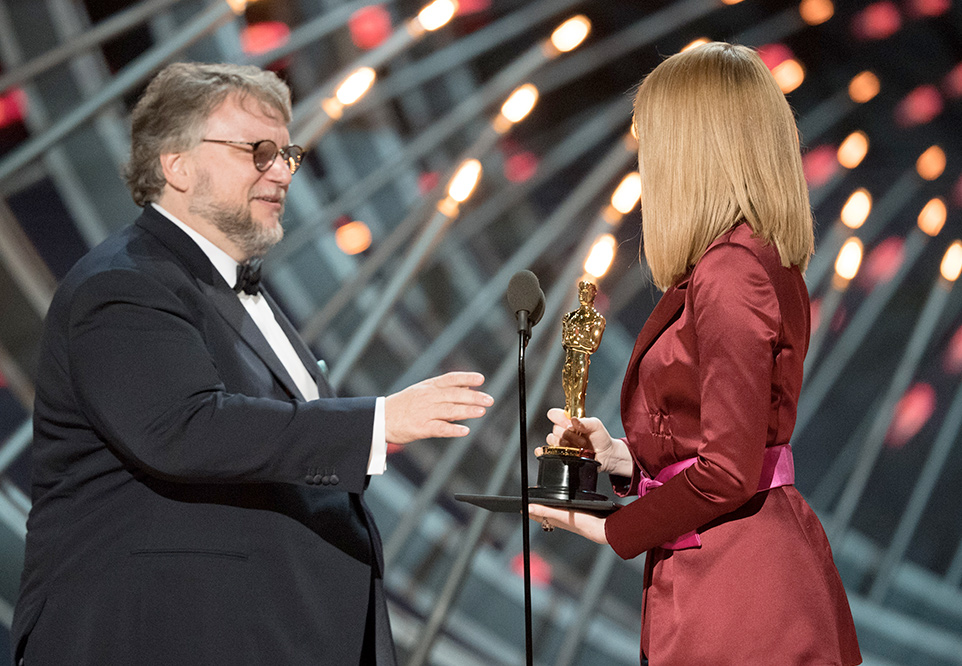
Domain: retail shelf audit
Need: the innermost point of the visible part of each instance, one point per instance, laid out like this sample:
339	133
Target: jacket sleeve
736	323
147	383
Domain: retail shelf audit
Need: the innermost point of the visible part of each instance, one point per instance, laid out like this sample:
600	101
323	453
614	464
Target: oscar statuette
567	473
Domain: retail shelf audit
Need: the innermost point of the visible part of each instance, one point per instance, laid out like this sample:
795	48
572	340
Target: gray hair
171	114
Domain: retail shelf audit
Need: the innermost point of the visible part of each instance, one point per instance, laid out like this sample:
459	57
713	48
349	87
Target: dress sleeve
736	323
147	383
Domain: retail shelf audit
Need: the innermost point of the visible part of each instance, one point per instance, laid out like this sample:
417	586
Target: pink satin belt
778	469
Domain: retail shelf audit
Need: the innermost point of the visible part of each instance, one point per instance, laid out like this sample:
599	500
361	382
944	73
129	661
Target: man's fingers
450	379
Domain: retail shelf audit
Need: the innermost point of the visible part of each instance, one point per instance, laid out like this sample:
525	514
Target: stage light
928	8
464	181
627	194
730	2
355	86
789	75
520	166
437	14
369	26
931	163
569	35
265	36
774	54
911	412
863	87
856	210
816	12
951	264
932	217
849	259
601	256
698	42
877	21
883	262
353	237
13	107
853	149
519	103
920	106
819	165
952	359
952	83
237	6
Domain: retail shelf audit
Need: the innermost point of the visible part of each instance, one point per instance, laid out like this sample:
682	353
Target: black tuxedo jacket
189	507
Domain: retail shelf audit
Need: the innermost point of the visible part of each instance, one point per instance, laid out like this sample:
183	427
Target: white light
601	255
355	86
569	35
464	181
849	259
952	262
520	103
627	194
437	14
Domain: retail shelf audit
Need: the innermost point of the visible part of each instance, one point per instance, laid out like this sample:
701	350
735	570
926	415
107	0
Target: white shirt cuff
377	463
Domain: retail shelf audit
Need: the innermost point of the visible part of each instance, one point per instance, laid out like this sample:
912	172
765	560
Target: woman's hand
589	433
585	524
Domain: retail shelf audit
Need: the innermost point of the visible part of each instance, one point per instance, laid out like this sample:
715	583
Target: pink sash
778	469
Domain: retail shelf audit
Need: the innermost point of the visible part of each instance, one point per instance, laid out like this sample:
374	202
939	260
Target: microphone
526	299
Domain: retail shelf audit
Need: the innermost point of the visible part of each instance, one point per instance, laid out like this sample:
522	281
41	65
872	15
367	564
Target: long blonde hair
717	145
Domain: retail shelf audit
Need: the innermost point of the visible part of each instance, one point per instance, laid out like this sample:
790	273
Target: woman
738	570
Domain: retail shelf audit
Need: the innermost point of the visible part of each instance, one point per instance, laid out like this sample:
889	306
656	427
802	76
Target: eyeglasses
266	151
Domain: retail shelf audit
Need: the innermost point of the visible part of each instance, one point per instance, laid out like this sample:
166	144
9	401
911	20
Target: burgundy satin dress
715	374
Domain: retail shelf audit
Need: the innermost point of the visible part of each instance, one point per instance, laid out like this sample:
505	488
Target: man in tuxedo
198	490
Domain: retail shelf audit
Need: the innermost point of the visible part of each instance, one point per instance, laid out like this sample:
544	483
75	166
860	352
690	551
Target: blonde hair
172	114
717	145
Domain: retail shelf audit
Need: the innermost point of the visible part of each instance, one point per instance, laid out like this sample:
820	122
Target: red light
952	83
13	107
540	569
520	166
882	263
877	21
472	6
952	359
428	181
265	36
774	55
919	106
911	413
369	26
819	165
927	8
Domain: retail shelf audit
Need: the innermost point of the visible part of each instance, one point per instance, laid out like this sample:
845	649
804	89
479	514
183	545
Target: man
198	490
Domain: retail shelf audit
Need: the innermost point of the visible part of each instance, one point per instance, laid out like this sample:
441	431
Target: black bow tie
249	276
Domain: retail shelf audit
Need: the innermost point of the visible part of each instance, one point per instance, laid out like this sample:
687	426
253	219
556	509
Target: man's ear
178	170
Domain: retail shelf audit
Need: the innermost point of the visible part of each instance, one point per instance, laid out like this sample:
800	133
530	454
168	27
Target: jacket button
334	480
318	478
325	480
309	479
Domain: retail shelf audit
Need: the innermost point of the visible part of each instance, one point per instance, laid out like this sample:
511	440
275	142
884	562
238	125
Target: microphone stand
524	334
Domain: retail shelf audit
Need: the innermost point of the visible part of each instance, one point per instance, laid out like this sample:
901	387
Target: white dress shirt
260	311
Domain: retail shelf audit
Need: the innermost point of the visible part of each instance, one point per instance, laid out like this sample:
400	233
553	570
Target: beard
236	222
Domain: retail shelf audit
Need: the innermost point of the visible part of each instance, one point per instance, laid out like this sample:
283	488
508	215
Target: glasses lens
293	155
264	153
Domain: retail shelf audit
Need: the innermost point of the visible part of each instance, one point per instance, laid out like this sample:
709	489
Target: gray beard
237	224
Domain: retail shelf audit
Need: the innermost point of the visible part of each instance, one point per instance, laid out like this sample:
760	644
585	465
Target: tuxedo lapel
212	284
667	310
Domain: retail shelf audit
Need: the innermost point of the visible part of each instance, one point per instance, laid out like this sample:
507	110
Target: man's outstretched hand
427	409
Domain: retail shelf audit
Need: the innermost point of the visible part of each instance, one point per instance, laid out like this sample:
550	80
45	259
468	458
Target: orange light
698	42
816	12
849	259
353	237
437	14
519	103
856	209
355	86
627	194
569	35
464	181
789	75
952	262
237	6
863	87
932	217
931	163
601	256
730	2
853	149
